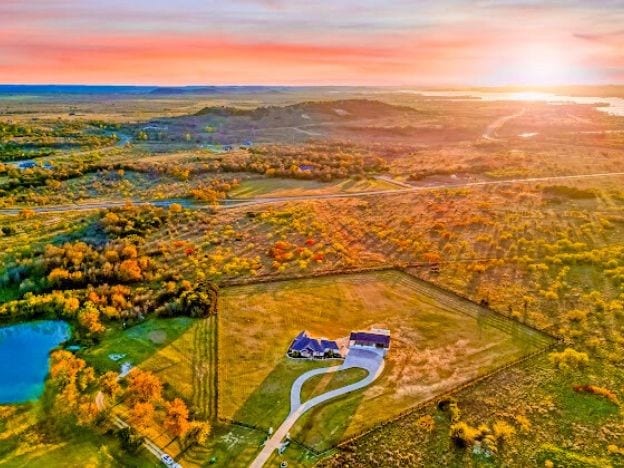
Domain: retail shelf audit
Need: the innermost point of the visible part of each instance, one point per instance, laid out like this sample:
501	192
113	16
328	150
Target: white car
167	460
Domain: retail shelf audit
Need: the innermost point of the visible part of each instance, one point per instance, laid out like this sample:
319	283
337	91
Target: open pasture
438	343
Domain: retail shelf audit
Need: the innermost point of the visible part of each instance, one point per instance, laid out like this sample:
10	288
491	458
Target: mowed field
274	187
438	342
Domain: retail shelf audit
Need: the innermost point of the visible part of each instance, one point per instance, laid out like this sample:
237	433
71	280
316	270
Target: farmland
437	345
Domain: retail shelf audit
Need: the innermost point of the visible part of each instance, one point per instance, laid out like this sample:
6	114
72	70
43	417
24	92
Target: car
167	460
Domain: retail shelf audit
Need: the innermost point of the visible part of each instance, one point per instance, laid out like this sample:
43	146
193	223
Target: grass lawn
325	383
187	365
230	446
137	343
438	342
22	445
275	187
250	396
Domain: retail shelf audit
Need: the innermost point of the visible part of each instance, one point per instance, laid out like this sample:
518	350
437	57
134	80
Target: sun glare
531	96
541	66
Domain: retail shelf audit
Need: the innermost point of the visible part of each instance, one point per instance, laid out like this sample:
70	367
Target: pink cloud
61	43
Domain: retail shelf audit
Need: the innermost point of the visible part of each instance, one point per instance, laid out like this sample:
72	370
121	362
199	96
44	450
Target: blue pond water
24	353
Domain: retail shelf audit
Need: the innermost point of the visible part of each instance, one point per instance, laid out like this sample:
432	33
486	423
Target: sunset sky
315	42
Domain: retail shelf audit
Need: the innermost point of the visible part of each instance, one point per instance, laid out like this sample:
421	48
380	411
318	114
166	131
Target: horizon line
277	85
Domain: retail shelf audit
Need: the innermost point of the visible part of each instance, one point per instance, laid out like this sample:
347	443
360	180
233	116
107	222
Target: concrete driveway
371	360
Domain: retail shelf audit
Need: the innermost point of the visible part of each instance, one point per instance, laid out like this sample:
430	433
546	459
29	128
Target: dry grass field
438	342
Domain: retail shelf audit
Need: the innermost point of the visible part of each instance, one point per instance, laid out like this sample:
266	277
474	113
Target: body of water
24	354
610	105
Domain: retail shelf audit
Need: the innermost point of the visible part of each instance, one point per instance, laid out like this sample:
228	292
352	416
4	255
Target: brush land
148	224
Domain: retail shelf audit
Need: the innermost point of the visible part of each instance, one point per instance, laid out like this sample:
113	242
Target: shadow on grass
324	426
269	404
228	446
320	428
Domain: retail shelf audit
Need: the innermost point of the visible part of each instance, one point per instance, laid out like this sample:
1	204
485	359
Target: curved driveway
370	360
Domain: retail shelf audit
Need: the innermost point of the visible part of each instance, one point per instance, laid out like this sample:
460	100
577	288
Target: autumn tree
89	319
142	413
87	412
143	386
109	384
68	401
129	270
177	421
569	359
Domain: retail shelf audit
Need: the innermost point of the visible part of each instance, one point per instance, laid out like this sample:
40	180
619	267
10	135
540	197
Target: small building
378	338
307	347
28	164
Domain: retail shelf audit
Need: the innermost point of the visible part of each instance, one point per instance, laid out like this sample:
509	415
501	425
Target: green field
274	187
324	383
22	444
438	342
187	365
137	343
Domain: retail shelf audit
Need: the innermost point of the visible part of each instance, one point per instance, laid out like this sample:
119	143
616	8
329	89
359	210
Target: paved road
238	202
235	203
370	360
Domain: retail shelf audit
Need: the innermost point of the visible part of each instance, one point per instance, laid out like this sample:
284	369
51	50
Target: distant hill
47	90
334	110
212	90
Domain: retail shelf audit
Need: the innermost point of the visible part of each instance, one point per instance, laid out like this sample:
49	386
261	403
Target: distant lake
24	353
609	105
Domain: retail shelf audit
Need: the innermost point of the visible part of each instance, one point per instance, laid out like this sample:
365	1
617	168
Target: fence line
466	299
469	383
277	278
404	268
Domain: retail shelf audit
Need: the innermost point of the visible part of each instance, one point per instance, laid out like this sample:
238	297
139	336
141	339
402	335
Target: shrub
502	431
569	359
463	435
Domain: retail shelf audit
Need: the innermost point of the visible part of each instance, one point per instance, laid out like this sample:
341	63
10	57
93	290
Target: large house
378	338
304	346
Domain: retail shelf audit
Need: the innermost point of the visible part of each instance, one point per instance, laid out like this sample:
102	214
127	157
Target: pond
24	353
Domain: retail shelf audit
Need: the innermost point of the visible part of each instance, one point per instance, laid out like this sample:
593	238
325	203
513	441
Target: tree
176	420
175	208
431	257
144	386
89	319
87	412
130	440
58	275
197	433
129	270
142	413
129	251
109	384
